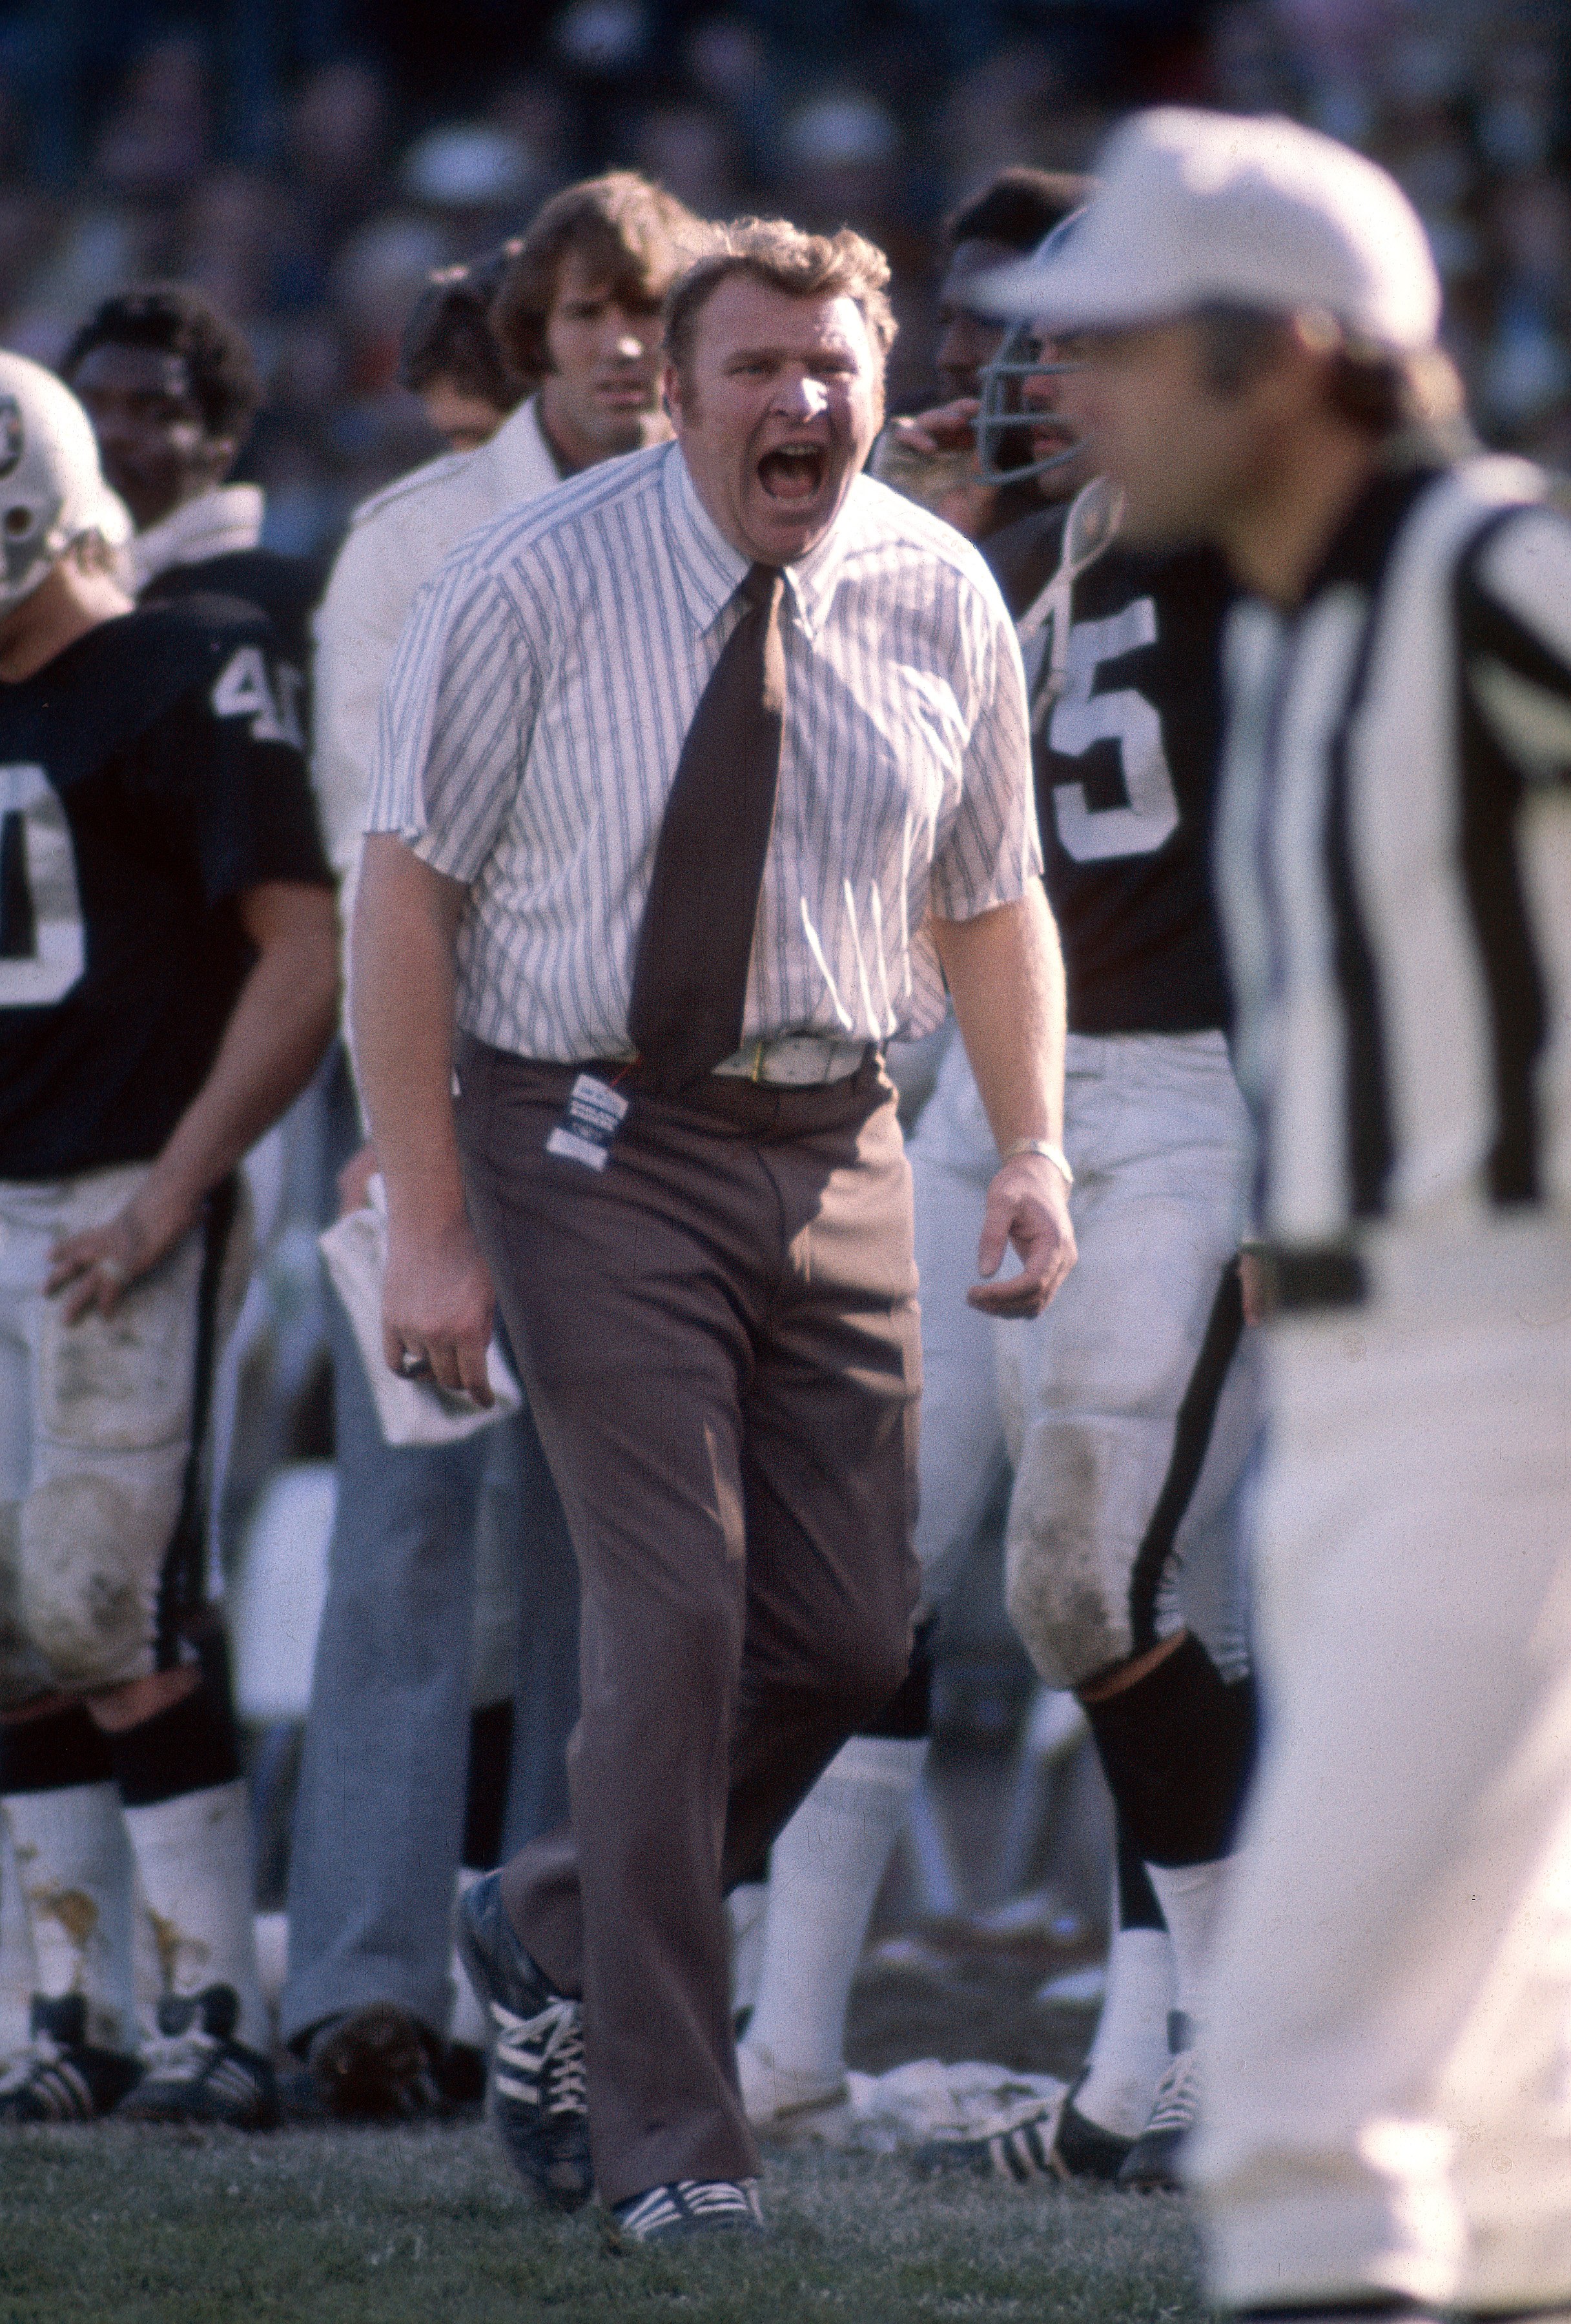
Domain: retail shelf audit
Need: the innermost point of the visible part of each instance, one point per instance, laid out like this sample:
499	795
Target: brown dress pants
719	1337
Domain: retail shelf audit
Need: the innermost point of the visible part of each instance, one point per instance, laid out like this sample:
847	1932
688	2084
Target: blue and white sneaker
691	2206
537	2059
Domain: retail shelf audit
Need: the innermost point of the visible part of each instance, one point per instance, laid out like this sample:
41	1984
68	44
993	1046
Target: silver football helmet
1005	422
51	487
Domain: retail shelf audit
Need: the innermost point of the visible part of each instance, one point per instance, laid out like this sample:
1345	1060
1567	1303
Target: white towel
412	1411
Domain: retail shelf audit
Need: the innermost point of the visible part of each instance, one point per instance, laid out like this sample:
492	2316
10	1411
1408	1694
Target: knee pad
91	1550
1066	1567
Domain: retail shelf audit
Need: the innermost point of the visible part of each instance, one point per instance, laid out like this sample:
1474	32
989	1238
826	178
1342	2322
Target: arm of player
931	458
1006	975
438	1302
275	1041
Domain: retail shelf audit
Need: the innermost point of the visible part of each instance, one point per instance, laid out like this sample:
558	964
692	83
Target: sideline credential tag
590	1121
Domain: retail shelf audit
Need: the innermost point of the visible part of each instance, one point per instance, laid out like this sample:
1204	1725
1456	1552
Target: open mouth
1048	439
793	472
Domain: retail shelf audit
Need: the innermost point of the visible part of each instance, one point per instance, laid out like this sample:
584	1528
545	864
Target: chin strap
1094	515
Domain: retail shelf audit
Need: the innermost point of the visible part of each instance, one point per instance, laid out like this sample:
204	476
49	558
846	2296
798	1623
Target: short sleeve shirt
535	715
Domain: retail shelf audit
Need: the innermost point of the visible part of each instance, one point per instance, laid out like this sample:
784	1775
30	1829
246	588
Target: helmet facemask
1006	422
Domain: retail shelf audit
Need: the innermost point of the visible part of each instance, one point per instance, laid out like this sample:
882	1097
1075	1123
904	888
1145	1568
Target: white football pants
961	1451
1131	1441
1386	2075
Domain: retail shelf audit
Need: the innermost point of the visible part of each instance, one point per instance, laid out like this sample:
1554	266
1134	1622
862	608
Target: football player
1007	219
1128	1410
167	986
171	388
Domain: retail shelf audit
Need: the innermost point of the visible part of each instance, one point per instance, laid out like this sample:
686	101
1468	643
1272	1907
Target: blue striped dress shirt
535	713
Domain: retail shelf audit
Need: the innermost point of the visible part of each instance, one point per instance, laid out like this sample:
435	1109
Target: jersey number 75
1080	718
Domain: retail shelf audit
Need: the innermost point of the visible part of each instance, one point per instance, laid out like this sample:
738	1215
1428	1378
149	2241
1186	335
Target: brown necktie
689	975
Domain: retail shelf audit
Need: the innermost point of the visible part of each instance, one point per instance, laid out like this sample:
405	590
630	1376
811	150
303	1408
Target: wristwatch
1048	1150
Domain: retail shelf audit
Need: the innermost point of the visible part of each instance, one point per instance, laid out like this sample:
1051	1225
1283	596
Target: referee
1384	2123
693	776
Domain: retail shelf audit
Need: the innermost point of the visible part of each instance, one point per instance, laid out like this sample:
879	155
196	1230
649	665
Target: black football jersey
285	588
1126	761
148	774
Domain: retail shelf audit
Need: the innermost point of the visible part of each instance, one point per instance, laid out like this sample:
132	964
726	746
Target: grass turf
151	2226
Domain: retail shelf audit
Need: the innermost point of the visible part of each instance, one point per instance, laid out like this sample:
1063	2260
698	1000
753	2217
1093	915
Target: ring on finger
414	1364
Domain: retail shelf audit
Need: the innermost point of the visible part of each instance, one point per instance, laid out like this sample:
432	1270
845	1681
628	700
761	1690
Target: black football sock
1177	1748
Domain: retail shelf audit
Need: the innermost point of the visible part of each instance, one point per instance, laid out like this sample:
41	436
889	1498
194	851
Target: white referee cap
1194	209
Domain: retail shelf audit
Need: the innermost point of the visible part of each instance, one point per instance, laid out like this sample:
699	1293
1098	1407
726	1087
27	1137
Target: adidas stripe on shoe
1151	2165
1023	2152
538	2098
198	2072
691	2206
61	2077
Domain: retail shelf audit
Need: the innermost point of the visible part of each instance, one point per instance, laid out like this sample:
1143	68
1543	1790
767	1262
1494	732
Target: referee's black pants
719	1337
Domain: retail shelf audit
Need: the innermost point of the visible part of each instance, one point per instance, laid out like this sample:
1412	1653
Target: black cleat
691	2206
1082	2149
1057	2141
537	2060
63	2076
1021	2153
197	2073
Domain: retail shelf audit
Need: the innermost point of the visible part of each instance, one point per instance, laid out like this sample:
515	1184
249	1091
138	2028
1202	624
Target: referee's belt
796	1060
1297	1280
1505	1259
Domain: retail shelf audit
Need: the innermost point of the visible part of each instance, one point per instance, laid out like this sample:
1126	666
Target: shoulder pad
201	623
151	659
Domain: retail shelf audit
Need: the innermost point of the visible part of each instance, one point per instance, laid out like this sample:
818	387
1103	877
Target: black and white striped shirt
1394	862
536	711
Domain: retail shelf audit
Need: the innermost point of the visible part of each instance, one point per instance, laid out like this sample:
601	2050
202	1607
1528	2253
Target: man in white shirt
368	1997
580	311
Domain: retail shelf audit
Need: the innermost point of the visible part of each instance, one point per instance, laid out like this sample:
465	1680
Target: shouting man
691	780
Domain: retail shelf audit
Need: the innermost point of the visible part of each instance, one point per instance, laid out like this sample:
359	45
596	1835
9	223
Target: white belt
796	1059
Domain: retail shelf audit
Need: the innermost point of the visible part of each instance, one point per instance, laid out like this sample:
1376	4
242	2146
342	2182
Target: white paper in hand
412	1411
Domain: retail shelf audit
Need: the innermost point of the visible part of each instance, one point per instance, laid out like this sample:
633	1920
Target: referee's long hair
1416	397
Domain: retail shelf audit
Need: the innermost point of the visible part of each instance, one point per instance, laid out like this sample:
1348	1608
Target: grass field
144	2226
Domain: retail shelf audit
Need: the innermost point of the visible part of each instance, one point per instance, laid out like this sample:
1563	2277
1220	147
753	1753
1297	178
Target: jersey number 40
1080	718
43	943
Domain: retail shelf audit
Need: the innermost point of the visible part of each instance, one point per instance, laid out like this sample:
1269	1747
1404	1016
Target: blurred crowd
315	213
